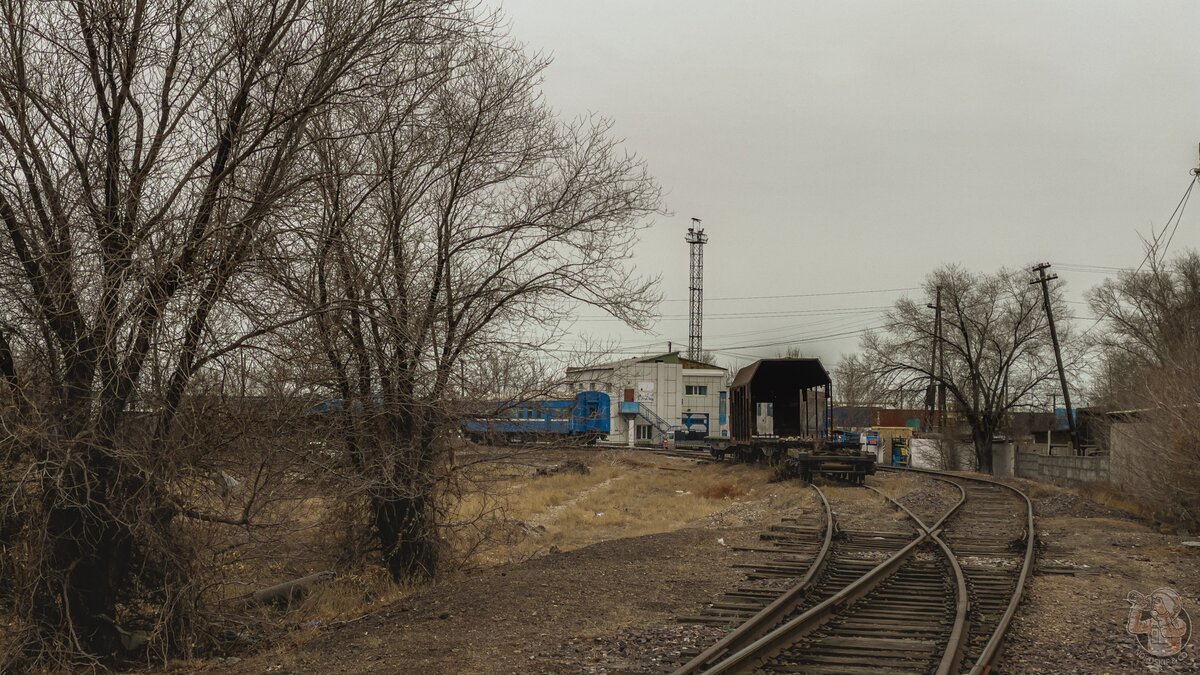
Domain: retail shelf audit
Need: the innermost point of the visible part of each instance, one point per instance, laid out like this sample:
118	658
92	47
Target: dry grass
896	485
525	515
543	493
1113	497
349	596
624	495
721	491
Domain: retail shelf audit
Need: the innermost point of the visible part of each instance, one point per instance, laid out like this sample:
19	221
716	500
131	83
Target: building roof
668	357
804	373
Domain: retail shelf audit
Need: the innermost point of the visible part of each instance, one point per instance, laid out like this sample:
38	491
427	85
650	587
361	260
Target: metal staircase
664	428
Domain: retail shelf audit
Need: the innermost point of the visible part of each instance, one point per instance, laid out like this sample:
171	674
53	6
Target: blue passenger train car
584	417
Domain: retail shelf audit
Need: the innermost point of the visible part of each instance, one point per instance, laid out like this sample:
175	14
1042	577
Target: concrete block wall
1061	470
1004	459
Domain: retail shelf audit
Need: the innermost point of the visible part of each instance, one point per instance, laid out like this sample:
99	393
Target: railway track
695	455
937	600
774	588
994	542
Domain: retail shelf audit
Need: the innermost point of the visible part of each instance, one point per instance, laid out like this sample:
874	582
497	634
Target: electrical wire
782	343
803	295
1187	195
1178	211
833	311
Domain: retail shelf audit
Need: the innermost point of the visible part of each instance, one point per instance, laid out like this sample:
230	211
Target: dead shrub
721	490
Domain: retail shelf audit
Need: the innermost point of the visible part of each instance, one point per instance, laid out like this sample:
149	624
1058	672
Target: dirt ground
593	597
637	541
1076	622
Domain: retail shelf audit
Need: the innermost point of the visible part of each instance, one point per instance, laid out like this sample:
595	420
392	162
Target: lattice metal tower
697	239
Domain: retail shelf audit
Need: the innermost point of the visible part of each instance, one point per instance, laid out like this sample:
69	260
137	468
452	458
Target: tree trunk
87	558
407	533
405	507
982	436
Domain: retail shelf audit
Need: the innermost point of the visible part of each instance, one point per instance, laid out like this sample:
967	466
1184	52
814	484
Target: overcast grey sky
847	146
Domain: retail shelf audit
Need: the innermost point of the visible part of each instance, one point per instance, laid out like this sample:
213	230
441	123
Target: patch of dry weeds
626	494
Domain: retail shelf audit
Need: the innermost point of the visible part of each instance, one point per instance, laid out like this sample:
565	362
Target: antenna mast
697	239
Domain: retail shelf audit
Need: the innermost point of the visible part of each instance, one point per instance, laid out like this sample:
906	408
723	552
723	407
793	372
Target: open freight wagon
780	411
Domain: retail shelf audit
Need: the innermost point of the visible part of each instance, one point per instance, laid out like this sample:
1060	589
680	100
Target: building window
643	432
695	390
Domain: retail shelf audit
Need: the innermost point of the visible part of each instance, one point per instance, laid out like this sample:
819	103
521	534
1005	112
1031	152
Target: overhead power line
762	314
804	295
1176	216
781	343
1097	269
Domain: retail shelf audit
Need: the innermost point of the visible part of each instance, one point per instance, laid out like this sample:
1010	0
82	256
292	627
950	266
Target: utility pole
697	239
1045	280
935	384
1054	420
941	392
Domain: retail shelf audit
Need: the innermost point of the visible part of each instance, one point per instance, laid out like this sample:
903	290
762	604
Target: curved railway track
995	543
938	600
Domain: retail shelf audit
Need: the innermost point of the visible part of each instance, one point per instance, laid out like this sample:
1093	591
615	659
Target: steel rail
796	628
772	614
991	651
952	657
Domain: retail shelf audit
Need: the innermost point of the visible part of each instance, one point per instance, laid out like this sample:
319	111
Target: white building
659	396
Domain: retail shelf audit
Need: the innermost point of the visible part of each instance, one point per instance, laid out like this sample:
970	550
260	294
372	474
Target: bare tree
854	382
996	340
1150	314
1151	362
147	146
453	237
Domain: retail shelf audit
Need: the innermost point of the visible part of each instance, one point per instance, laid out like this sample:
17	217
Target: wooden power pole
1045	280
936	384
